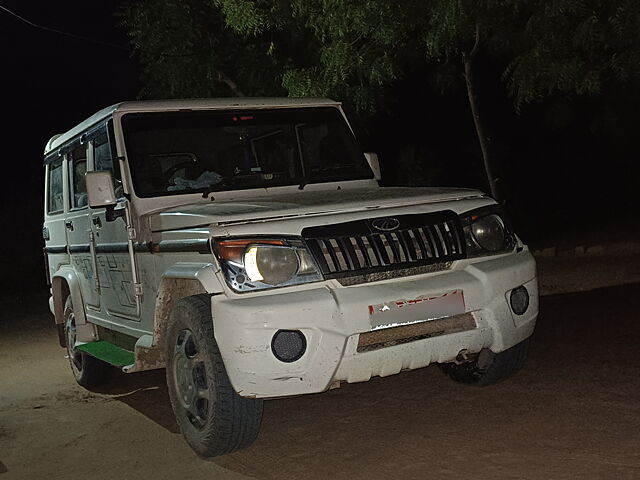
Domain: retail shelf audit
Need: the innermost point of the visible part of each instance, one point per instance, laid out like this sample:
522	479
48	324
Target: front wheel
87	370
213	418
489	368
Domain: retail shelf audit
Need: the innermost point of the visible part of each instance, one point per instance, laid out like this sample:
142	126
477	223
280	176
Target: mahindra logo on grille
388	224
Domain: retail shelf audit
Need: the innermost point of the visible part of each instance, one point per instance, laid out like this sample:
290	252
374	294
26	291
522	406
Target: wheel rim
75	356
190	379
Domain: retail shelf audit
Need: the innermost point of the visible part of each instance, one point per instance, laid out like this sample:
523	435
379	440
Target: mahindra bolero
245	246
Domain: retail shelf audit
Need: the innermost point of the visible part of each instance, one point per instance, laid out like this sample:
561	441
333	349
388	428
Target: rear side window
102	153
105	158
78	166
55	203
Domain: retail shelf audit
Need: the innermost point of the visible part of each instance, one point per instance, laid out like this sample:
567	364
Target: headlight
272	265
255	264
487	231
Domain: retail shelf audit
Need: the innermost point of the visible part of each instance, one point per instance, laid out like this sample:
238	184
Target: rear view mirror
100	189
374	163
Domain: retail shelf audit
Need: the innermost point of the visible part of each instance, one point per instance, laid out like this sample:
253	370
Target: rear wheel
213	418
87	370
489	368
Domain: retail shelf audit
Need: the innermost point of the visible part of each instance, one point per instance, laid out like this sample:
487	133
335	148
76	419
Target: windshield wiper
207	191
215	188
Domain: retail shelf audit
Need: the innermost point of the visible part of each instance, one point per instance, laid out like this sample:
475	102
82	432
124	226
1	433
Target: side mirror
374	163
100	189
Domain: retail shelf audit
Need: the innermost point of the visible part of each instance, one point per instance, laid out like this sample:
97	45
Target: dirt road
574	412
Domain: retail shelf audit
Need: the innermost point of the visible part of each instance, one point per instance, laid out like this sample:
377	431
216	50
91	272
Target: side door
78	225
111	237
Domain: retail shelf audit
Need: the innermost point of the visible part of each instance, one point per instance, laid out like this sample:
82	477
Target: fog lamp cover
519	300
288	345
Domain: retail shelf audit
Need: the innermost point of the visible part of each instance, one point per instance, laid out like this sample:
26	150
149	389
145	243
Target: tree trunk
222	77
470	81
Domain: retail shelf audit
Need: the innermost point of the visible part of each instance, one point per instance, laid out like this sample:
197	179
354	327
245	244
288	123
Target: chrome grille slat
375	260
443	239
363	251
348	254
393	245
419	252
381	249
406	242
332	255
437	248
457	238
428	250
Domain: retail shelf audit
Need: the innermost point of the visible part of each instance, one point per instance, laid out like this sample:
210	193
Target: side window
55	203
78	164
104	158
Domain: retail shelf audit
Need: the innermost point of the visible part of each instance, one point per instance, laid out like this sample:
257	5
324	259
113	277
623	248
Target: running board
108	352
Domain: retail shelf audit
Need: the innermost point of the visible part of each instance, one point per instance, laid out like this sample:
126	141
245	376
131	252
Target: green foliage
576	47
243	16
363	47
354	50
454	26
253	17
187	51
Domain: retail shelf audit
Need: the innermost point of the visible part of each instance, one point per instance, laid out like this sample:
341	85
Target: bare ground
574	412
591	271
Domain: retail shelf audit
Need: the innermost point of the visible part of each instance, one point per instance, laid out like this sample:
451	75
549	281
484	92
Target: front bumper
332	317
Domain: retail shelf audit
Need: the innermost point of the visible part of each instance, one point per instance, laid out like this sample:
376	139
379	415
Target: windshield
184	152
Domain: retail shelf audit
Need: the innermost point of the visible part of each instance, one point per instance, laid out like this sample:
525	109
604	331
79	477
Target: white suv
245	245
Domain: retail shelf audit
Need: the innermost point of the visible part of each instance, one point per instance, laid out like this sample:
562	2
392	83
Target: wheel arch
65	283
180	281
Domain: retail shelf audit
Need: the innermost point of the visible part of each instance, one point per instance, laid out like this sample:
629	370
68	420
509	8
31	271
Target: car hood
280	206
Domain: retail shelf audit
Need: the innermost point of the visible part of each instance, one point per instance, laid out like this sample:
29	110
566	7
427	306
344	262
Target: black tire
489	367
213	418
87	370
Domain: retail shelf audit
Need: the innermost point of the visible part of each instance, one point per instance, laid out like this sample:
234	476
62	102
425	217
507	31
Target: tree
187	51
575	47
366	44
460	31
354	49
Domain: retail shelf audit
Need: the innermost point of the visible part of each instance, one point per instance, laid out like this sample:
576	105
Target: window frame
50	166
135	174
71	175
92	135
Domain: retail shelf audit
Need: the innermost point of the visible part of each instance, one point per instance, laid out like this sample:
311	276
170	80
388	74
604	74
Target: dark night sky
50	83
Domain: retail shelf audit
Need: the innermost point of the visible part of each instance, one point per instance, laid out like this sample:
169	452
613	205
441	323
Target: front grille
358	247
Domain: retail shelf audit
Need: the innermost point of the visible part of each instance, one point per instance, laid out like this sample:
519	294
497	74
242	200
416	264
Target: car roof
193	104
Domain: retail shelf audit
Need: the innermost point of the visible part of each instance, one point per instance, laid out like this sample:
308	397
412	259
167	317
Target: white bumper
332	316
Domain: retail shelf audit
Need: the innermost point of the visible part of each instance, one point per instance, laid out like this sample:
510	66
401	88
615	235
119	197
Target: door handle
97	222
69	225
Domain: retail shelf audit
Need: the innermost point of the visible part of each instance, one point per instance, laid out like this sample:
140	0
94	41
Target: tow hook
463	357
484	357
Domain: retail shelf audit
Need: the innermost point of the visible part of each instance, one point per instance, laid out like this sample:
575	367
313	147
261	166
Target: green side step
108	352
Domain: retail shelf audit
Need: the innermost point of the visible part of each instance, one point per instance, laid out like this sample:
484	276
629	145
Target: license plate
425	307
